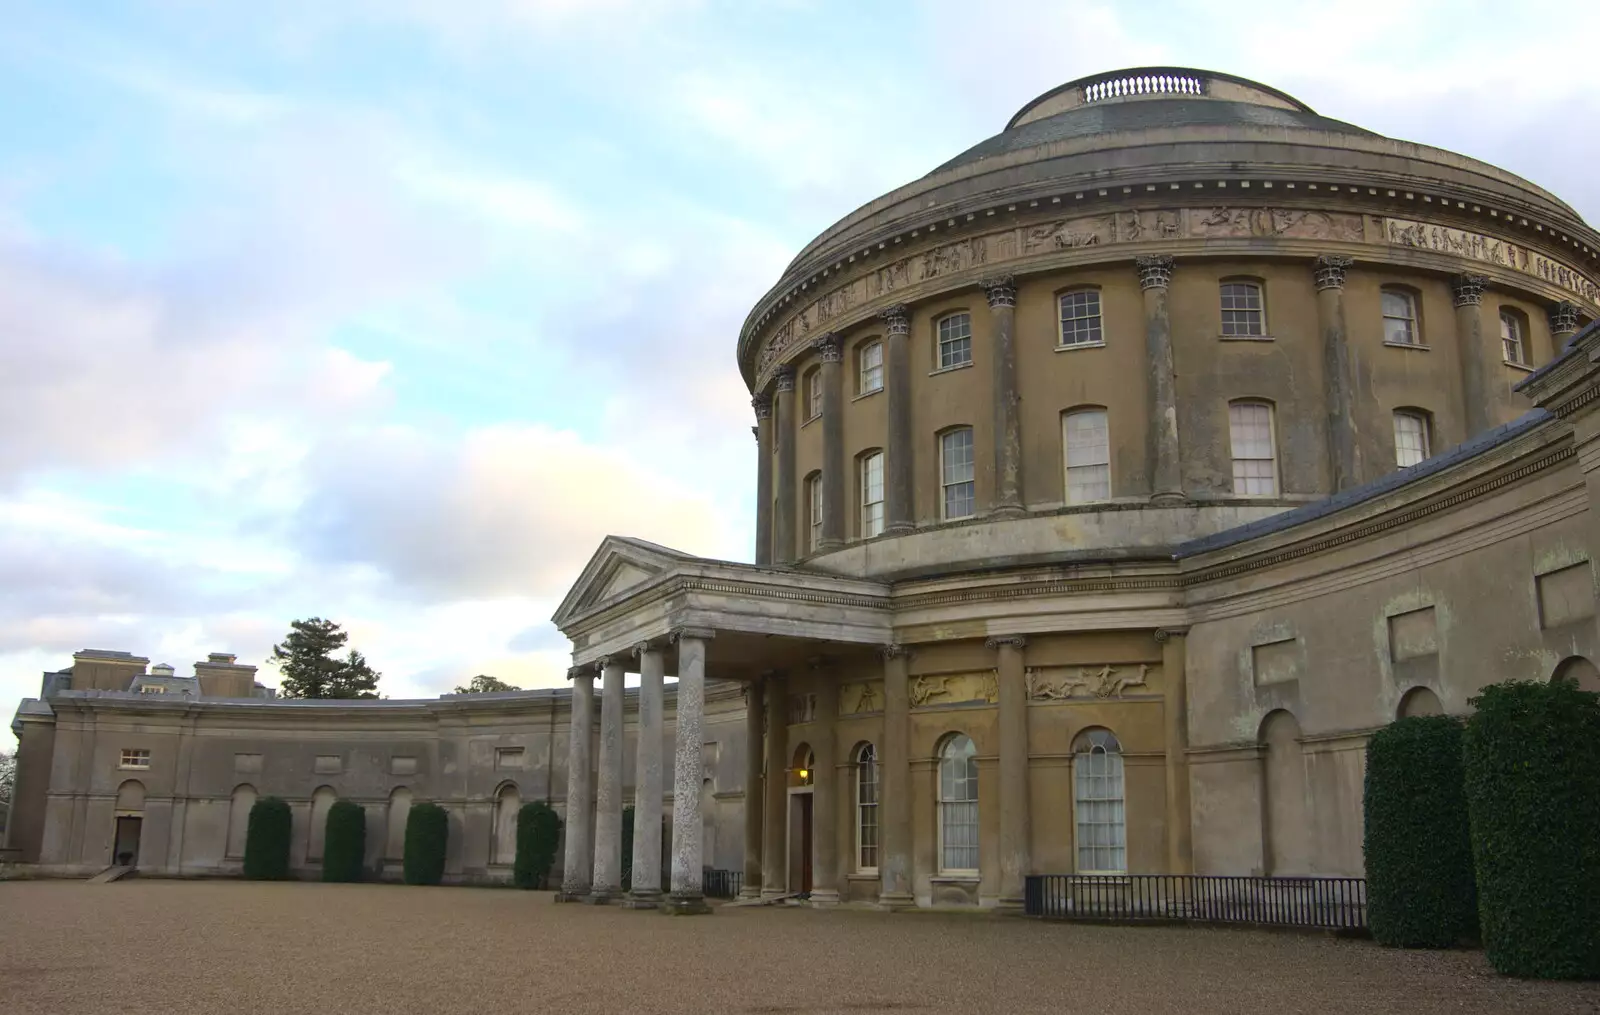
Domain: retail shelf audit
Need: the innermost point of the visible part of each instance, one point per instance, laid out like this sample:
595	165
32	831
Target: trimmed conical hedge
427	836
344	843
266	844
538	834
1420	887
1533	792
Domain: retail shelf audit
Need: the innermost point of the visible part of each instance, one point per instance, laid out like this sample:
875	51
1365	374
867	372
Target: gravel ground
237	947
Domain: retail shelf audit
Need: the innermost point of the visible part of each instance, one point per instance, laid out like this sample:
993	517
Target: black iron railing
1319	903
721	884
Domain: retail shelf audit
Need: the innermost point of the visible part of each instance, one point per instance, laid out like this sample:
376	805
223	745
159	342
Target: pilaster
1002	296
754	809
825	791
775	788
1468	292
1015	822
830	348
1343	439
894	860
1163	454
1180	835
783	549
898	509
762	404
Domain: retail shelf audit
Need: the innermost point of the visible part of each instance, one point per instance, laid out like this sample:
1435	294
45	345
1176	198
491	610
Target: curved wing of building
1116	479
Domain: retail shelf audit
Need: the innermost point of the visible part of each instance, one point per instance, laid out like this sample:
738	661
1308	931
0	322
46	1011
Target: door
125	851
805	842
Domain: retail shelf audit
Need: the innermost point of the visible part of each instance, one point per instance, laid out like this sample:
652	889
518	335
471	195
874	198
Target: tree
427	838
485	684
266	842
8	776
310	669
344	842
538	833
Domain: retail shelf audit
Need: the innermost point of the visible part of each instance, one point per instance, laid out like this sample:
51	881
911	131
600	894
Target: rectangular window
872	495
134	757
152	689
1400	318
1101	822
1513	338
1080	318
956	474
1242	314
955	341
1088	443
814	508
1410	438
871	368
813	394
1255	467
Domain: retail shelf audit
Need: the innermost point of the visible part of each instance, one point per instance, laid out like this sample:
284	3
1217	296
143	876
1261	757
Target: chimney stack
221	677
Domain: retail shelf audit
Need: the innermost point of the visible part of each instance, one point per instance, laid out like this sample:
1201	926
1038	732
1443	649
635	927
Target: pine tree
485	684
311	670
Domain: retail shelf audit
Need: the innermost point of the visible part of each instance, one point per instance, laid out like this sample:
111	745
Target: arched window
1514	336
1413	437
239	805
503	838
1579	671
958	805
321	803
955	340
1420	701
869	367
803	767
1244	313
813	393
1086	438
956	474
814	510
1254	448
399	811
1080	318
866	809
1098	803
871	468
1400	323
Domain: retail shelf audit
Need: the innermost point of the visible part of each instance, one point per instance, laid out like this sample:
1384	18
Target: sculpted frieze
953	688
1491	250
1293	223
856	699
1059	683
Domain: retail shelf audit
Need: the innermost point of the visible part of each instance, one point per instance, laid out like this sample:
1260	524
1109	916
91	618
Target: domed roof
1149	98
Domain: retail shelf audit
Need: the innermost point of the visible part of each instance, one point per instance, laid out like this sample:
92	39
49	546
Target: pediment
618	565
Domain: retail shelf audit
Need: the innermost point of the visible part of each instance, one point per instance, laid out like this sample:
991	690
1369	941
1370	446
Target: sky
388	311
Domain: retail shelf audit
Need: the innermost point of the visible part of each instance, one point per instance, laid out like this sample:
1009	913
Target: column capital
894	651
1155	271
762	404
702	633
1015	641
1468	289
1563	318
1329	270
830	347
1165	634
586	670
649	645
896	319
784	378
1001	291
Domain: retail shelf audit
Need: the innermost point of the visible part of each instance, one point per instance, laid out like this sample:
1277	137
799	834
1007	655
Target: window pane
956	473
1086	436
867	808
1101	818
871	368
1080	318
1241	309
1250	435
955	340
814	496
1399	318
1410	439
1511	338
958	805
872	495
814	392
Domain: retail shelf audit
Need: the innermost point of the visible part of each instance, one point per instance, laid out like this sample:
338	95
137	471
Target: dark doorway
125	851
805	842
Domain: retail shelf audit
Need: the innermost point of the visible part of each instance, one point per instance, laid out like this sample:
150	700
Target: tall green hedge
538	833
427	835
344	843
266	843
1533	791
1420	887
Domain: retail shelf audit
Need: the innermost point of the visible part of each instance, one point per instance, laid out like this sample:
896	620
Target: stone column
577	865
1015	827
894	807
647	781
763	406
831	348
689	771
1163	459
1474	357
1180	855
1002	293
754	811
783	547
608	795
1563	324
1344	446
825	793
899	510
775	790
